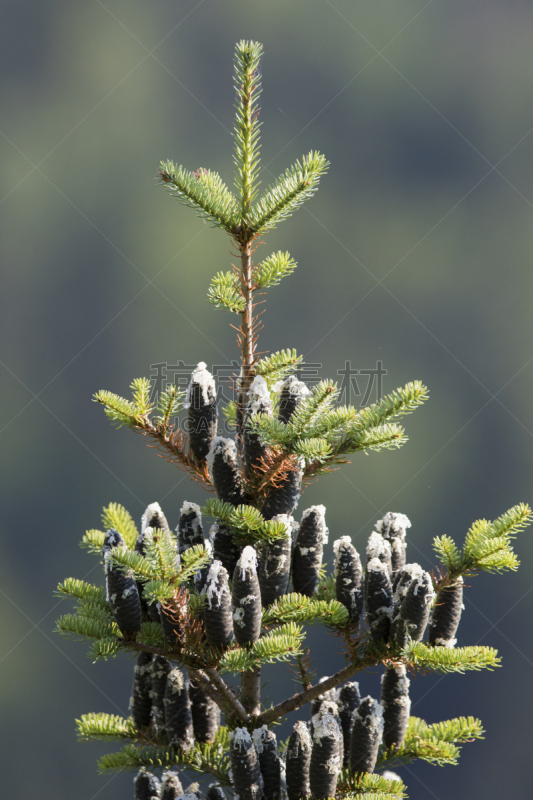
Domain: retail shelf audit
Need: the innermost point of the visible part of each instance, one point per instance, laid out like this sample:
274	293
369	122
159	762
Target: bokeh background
416	252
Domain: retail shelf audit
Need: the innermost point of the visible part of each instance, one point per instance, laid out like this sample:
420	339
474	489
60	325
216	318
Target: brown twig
223	689
299	700
174	443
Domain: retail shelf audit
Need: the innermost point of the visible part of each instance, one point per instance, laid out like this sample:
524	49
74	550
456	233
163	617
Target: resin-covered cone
325	758
446	615
274	567
411	621
171	787
153	514
247	780
283	498
146	786
266	745
190	531
215	792
329	706
200	576
159	671
141	693
258	403
348	701
393	527
349	588
325	704
403	579
201	405
308	551
121	588
292	392
224	548
314	706
224	471
366	736
178	717
192	792
396	705
378	599
218	615
246	598
153	517
205	714
378	547
297	763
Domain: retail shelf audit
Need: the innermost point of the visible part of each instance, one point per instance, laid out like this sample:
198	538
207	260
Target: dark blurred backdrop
416	252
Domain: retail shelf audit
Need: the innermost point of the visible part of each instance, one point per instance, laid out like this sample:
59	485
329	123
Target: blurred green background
415	252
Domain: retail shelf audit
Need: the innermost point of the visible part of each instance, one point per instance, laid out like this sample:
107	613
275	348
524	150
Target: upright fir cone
224	471
292	392
200	576
246	598
403	579
317	702
215	792
224	548
298	761
349	589
329	706
348	701
295	527
178	717
446	615
159	672
411	621
378	599
152	520
367	732
307	556
283	498
205	714
153	517
171	787
218	617
326	761
189	531
141	699
193	792
266	746
393	527
247	780
121	588
201	402
378	547
258	402
274	568
396	705
146	786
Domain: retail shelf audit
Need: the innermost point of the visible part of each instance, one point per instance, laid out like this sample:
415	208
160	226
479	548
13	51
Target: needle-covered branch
487	548
159	429
204	191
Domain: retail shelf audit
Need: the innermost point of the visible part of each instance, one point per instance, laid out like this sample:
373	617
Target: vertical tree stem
251	691
246	333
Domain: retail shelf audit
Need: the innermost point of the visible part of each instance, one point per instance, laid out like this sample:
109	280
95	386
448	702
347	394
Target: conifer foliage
194	610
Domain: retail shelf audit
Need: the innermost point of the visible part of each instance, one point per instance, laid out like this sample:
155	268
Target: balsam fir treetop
195	610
